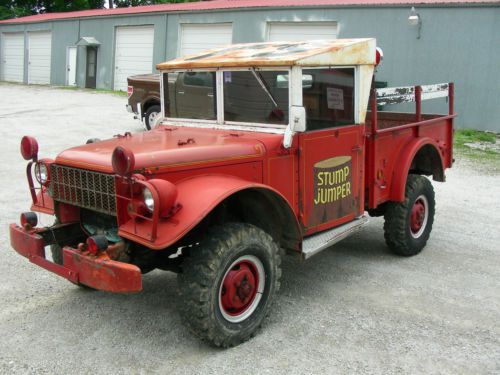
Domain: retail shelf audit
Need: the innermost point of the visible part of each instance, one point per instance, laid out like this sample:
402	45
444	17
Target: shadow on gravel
150	319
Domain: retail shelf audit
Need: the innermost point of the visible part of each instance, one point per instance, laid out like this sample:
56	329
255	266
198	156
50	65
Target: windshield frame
220	122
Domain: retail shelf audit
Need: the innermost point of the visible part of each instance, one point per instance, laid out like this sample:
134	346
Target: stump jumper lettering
333	180
334	186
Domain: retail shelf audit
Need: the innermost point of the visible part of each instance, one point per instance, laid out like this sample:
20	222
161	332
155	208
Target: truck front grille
87	189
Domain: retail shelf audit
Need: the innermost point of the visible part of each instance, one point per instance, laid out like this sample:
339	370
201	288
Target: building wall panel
457	43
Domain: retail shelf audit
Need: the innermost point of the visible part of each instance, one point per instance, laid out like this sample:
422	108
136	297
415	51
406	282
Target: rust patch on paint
354	51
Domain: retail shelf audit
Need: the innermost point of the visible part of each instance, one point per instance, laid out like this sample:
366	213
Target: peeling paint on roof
238	4
307	53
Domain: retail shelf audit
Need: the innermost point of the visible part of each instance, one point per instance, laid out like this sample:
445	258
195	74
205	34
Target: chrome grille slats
83	188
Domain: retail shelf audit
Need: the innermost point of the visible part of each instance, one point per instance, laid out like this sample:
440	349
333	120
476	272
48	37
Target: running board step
315	243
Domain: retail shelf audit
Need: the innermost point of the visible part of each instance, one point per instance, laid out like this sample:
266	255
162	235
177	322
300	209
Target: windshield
256	97
253	96
190	95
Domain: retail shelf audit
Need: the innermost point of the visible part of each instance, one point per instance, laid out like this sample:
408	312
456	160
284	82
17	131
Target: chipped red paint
159	149
98	272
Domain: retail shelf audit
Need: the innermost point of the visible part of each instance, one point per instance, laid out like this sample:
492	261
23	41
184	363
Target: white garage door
198	37
39	47
13	57
282	31
133	53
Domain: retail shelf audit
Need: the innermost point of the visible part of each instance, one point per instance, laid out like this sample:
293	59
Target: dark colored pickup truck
144	97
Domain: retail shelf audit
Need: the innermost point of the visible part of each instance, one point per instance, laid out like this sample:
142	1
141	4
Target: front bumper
80	267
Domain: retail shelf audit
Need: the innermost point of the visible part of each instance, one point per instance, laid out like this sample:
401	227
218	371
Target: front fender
198	197
402	168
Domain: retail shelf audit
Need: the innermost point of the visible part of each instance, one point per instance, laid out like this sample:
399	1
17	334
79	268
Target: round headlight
41	173
148	199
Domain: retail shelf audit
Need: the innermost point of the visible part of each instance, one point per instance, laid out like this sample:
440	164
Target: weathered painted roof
307	53
237	4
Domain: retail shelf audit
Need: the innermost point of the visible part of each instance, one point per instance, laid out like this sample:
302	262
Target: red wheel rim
418	216
241	288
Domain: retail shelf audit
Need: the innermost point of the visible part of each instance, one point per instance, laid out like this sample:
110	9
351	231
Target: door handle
210	95
356	148
180	92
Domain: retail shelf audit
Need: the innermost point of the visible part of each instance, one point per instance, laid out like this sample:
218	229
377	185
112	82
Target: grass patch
103	91
463	136
106	91
489	156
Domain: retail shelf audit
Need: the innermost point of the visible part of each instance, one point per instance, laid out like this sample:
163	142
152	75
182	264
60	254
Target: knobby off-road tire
150	116
228	283
408	224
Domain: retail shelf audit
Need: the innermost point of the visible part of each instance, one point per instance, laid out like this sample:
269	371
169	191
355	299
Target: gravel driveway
353	308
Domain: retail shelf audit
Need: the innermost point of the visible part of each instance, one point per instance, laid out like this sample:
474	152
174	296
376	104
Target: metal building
439	41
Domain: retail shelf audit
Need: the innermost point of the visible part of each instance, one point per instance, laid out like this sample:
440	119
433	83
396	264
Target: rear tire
228	283
408	224
151	115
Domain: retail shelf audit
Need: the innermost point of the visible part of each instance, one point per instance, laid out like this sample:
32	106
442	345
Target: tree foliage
133	3
21	8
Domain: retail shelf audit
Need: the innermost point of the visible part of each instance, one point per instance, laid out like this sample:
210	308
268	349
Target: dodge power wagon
266	149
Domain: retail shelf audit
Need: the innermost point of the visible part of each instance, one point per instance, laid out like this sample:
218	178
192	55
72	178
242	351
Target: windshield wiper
264	87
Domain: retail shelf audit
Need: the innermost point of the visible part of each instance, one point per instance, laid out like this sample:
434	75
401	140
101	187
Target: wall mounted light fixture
415	20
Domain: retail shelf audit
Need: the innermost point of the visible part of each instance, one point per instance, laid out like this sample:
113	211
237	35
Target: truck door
331	150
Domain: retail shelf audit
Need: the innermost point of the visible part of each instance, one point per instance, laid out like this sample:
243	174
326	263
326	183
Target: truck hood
170	146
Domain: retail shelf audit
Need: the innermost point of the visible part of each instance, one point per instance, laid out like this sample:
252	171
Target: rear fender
404	164
198	196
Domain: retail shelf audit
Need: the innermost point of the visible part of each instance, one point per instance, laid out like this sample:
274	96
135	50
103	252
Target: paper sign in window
335	98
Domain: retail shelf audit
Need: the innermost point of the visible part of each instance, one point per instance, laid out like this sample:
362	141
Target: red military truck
283	150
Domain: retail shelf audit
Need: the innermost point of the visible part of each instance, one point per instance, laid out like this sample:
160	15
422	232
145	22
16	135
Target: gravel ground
354	308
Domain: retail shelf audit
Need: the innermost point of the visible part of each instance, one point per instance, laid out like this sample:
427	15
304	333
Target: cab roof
301	53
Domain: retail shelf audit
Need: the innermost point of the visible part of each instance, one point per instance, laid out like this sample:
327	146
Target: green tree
12	8
21	8
133	3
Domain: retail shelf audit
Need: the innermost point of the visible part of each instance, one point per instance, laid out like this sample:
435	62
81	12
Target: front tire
228	283
408	224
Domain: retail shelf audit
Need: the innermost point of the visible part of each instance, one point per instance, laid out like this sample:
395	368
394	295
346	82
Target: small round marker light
379	55
29	148
123	161
29	219
97	243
